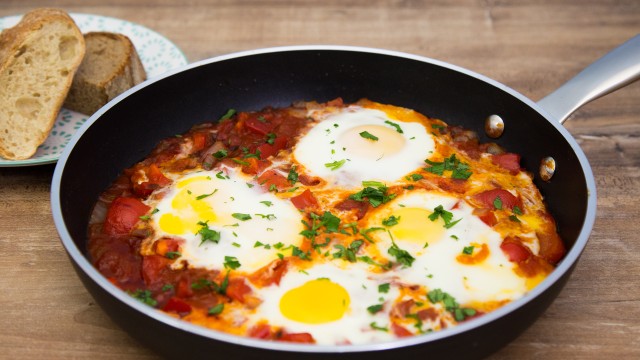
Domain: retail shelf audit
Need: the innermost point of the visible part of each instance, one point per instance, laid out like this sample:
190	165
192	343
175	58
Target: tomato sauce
250	141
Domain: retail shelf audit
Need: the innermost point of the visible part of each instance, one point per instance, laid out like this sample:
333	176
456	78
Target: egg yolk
188	210
415	226
316	302
371	141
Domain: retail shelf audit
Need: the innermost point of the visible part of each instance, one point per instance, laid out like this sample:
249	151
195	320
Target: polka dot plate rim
157	54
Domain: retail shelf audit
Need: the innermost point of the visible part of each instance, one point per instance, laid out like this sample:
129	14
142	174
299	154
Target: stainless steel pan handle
616	69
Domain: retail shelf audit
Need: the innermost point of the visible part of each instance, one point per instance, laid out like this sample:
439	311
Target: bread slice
111	66
38	58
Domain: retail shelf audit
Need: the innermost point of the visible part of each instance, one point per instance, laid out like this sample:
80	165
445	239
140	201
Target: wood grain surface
531	46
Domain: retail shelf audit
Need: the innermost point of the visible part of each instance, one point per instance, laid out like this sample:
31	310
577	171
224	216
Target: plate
156	52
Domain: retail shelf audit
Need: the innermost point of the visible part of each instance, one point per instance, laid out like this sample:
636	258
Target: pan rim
83	263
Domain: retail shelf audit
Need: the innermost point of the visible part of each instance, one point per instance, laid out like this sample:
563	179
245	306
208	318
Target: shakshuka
326	223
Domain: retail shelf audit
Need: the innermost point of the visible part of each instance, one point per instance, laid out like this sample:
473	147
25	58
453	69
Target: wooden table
531	46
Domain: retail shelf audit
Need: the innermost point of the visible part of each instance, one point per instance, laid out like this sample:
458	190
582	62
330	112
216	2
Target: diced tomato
199	141
152	269
507	161
308	180
167	245
122	216
304	200
272	177
257	126
120	266
338	102
430	314
254	165
453	185
156	176
488	199
552	248
267	150
269	274
305	338
400	331
260	331
403	308
183	288
176	305
515	251
487	216
237	289
225	130
361	207
155	180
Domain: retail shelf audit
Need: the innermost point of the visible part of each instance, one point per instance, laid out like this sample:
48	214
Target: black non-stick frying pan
125	130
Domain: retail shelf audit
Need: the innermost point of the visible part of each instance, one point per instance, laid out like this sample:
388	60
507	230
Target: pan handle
618	68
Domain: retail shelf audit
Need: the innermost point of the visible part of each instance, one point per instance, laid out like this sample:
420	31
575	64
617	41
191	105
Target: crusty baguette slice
111	66
38	58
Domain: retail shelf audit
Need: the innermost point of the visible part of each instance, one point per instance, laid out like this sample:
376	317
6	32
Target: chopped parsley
348	253
402	256
450	304
222	153
267	216
271	137
172	255
231	262
447	216
459	170
391	220
328	220
517	210
375	308
206	284
293	175
335	165
222	175
414	177
228	114
267	203
468	250
368	135
384	288
497	203
365	233
241	162
296	251
377	327
216	310
375	192
241	216
144	296
200	197
248	155
370	261
396	126
207	234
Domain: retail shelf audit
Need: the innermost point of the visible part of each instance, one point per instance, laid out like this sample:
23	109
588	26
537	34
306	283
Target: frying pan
124	131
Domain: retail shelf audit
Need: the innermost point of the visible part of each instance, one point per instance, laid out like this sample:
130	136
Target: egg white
274	222
336	139
355	326
435	251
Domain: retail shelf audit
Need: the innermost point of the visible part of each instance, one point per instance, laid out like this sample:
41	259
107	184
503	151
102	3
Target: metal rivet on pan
494	126
547	168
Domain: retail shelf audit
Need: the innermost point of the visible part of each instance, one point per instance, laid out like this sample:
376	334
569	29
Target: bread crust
91	91
12	41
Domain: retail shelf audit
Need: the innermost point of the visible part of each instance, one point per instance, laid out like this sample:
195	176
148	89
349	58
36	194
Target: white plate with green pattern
156	52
